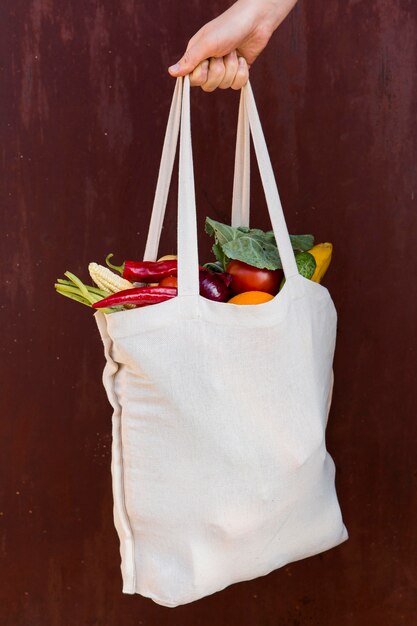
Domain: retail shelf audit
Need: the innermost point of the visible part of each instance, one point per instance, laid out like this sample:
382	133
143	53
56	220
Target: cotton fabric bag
219	465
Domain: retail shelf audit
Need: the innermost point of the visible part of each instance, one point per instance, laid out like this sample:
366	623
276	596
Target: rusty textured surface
84	101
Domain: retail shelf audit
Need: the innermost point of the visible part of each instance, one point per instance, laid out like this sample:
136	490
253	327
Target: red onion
215	285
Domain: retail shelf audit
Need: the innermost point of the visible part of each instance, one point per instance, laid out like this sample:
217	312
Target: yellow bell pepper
322	253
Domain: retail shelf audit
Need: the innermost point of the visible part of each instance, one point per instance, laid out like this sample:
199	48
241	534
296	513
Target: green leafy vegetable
306	265
250	245
302	243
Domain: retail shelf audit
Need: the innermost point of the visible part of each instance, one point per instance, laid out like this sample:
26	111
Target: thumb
189	61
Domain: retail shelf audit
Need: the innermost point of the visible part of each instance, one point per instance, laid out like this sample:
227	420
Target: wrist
268	14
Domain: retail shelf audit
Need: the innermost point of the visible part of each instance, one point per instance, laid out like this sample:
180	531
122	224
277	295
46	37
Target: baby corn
108	280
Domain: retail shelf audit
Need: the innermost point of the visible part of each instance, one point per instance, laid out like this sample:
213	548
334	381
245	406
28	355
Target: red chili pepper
139	296
145	271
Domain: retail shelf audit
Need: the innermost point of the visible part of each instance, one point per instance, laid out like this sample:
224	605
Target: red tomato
246	277
169	281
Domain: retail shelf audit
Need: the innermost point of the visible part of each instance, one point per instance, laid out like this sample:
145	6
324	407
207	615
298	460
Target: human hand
222	51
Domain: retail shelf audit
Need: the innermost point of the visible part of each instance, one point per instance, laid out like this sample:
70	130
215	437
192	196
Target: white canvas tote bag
219	464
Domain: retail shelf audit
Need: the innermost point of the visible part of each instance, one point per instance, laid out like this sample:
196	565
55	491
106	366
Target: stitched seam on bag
122	513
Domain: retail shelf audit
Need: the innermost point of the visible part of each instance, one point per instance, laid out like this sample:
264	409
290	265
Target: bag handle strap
241	180
188	270
164	176
273	201
241	189
188	283
187	251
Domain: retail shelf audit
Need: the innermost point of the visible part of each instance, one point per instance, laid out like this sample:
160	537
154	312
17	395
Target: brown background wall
84	102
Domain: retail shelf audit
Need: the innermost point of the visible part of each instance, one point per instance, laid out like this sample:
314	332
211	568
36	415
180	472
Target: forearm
268	13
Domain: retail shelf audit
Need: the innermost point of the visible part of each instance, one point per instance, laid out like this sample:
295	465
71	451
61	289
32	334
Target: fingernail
174	68
242	62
